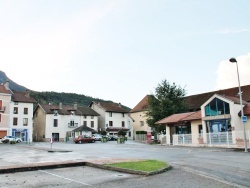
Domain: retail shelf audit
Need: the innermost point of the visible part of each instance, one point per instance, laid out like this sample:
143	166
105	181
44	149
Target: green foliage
168	100
103	133
5	141
140	132
147	165
64	98
121	133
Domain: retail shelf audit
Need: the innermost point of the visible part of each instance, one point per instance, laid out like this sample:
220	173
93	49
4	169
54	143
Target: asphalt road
192	167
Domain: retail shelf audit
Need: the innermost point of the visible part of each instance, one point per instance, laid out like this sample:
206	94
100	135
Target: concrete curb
53	165
129	171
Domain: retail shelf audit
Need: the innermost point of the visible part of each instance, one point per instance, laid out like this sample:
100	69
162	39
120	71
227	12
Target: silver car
11	138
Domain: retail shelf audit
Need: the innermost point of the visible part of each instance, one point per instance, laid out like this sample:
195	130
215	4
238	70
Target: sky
120	50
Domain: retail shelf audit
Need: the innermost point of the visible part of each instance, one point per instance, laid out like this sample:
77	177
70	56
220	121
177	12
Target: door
55	137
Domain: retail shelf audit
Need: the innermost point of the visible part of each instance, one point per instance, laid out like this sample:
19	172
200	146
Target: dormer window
55	112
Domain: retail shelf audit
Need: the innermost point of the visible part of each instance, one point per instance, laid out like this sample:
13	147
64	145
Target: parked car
97	137
84	138
113	137
11	138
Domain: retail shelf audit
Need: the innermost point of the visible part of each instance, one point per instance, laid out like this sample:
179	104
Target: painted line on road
63	177
210	176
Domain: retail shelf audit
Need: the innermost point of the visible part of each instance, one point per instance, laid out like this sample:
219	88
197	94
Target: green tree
167	100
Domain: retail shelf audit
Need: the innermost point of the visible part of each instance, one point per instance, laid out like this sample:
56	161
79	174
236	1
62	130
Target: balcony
72	125
2	108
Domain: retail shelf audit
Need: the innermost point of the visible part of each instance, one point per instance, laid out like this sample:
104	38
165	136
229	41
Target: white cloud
233	30
227	73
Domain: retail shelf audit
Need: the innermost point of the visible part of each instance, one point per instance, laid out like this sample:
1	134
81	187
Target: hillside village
212	118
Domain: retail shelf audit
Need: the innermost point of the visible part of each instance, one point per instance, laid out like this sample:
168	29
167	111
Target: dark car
84	138
113	137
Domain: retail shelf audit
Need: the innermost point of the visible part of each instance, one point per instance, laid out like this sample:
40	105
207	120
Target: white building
59	121
113	118
16	114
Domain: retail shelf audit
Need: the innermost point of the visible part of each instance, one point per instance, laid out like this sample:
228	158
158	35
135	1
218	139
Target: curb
53	165
128	170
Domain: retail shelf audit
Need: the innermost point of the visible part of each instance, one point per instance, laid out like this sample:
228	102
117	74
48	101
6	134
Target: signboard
244	119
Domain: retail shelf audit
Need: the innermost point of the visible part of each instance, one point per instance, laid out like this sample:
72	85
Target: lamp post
233	60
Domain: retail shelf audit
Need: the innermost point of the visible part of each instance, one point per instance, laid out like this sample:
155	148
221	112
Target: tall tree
167	100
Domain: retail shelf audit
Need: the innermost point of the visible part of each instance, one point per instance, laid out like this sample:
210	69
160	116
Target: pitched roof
174	118
64	110
84	128
111	107
194	116
194	102
4	90
246	110
22	97
87	111
142	105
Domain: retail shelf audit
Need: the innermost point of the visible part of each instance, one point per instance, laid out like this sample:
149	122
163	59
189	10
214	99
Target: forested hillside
52	97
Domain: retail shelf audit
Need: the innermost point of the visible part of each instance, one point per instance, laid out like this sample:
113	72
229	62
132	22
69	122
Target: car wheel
93	141
18	141
80	142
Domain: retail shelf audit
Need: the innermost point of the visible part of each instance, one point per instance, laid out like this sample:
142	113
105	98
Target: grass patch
148	165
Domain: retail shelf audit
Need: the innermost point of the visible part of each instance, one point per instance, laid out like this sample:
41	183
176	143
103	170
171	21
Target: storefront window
217	107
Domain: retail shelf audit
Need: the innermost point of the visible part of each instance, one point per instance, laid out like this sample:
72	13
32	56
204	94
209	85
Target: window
15	103
110	114
55	112
85	123
85	117
92	117
15	110
25	121
123	123
0	117
92	124
14	121
55	122
142	123
25	110
72	123
217	107
122	114
110	123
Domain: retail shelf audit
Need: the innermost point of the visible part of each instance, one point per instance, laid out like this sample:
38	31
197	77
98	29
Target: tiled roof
4	90
174	118
87	111
142	105
194	116
195	101
236	100
111	107
65	110
22	97
246	110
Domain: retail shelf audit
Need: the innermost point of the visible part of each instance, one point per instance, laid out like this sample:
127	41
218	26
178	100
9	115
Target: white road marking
63	177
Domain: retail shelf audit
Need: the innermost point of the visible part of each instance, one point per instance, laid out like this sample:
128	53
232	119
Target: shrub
6	141
103	133
121	133
13	142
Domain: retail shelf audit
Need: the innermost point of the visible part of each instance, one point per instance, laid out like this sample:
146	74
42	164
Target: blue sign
244	119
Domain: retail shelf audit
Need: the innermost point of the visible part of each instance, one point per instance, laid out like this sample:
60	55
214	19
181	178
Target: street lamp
233	60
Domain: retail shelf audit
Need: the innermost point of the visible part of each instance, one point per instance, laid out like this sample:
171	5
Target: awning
84	128
117	129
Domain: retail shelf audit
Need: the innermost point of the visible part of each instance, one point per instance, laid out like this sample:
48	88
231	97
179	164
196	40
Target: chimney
60	105
27	93
120	105
7	85
75	106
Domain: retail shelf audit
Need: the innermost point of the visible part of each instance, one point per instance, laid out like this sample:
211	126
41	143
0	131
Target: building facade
16	113
113	118
59	121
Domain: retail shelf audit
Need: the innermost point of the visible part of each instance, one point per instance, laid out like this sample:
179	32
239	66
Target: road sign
244	119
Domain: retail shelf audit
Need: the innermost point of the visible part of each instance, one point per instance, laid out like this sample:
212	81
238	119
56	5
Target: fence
212	139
